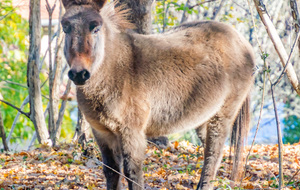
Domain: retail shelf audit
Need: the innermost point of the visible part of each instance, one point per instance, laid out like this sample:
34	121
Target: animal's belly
168	121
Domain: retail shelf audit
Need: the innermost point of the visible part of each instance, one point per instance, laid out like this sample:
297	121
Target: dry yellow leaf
176	144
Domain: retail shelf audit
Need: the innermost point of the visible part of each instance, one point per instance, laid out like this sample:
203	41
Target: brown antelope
132	86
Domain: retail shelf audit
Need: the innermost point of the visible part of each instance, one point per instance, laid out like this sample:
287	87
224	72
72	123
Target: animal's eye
66	27
94	26
97	29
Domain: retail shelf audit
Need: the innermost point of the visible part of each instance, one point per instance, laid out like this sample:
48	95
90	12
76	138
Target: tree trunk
33	80
2	133
140	14
52	94
55	71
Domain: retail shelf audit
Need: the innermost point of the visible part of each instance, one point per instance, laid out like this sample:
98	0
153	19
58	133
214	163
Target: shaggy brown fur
130	86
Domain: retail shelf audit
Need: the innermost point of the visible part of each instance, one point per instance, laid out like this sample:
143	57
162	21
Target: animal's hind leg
218	129
111	156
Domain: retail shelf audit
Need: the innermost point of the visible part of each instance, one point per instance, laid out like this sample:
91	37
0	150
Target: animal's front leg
111	156
133	145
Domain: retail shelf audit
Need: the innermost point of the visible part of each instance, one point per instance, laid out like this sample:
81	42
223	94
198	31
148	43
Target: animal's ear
68	3
97	4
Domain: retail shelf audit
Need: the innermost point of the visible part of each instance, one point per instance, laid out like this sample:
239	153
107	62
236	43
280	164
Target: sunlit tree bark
33	80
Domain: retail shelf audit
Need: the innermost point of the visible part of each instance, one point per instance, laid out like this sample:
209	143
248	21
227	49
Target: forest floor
178	166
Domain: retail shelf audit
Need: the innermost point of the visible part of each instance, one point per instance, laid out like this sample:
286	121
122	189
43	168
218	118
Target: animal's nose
79	77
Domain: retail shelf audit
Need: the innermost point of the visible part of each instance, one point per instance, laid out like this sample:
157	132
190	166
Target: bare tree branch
19	110
217	10
26	101
15	83
164	15
200	3
51	123
184	14
46	52
287	62
262	11
246	10
63	107
293	176
11	11
258	122
280	144
57	78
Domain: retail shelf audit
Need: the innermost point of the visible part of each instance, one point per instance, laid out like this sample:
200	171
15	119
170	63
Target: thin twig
293	177
276	113
15	83
45	82
4	16
164	15
153	144
51	123
287	62
257	126
57	79
278	134
184	14
217	11
16	6
101	163
19	110
63	107
26	101
200	3
246	10
263	93
46	52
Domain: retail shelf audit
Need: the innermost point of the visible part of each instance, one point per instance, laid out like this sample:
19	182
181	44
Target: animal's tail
238	139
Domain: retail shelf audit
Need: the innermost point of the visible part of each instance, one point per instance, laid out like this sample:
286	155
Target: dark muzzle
79	77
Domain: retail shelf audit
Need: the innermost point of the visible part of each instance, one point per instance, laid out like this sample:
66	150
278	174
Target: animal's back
189	73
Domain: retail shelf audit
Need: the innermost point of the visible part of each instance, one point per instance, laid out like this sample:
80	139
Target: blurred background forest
14	45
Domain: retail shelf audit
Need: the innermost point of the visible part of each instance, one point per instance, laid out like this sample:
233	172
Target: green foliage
291	129
167	11
14	29
67	130
14	44
164	19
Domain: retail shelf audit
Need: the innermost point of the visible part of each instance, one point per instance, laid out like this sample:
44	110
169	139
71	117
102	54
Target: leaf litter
69	166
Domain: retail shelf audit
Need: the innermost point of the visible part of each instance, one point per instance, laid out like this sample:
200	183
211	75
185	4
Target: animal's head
82	26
